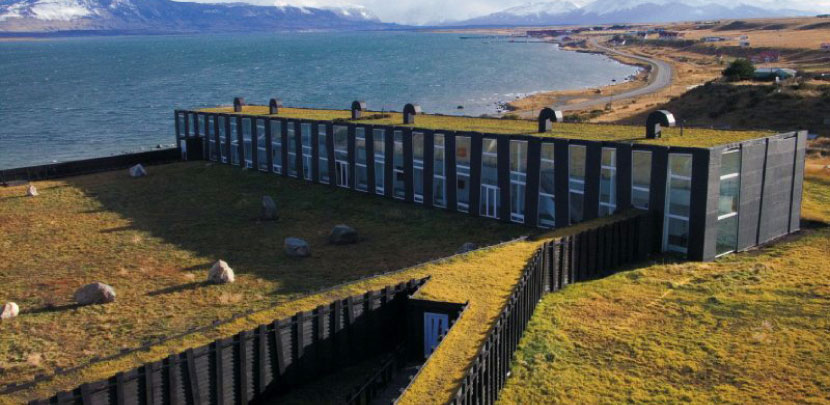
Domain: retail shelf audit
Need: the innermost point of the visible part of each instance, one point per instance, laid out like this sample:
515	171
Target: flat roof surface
691	137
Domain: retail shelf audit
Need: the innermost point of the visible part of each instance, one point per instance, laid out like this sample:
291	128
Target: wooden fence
257	364
583	256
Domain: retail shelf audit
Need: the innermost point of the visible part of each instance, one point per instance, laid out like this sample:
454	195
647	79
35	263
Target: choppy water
67	99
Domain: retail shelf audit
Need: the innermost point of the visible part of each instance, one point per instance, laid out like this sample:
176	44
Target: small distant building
826	46
773	73
713	39
744	44
670	35
744	37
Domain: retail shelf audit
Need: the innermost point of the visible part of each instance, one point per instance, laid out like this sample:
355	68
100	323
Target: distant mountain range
165	16
562	12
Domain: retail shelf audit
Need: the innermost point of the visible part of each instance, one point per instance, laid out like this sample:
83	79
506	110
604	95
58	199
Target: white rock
31	191
95	293
138	171
10	310
221	273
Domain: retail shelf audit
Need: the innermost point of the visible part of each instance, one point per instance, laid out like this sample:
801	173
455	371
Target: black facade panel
623	176
712	197
798	181
284	129
370	159
778	186
390	163
534	150
657	193
216	137
452	180
228	137
475	174
407	165
560	173
330	154
429	166
241	140
269	147
593	163
254	145
351	154
753	156
315	152
503	145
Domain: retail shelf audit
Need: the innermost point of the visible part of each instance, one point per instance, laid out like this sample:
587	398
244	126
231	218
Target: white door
342	173
434	326
489	195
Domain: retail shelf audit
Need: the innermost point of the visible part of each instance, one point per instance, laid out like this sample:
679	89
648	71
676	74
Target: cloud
432	11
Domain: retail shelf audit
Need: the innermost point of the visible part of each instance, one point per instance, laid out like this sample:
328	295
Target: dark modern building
712	192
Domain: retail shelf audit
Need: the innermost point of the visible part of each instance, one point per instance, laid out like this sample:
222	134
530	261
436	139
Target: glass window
276	146
323	153
439	198
247	139
547	187
292	149
462	167
576	181
640	178
676	231
234	135
728	202
262	150
399	176
379	140
518	180
341	155
361	173
489	178
223	139
305	137
608	182
213	151
180	120
418	166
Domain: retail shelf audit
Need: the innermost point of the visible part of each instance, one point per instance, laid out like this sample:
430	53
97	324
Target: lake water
68	99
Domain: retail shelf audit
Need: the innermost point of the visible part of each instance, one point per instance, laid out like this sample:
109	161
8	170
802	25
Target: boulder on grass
138	171
95	293
269	209
221	273
9	311
467	247
31	191
296	247
343	235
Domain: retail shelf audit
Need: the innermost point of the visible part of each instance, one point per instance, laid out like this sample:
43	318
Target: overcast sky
428	11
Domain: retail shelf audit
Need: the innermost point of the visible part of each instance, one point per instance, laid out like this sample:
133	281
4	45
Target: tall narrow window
323	152
576	182
379	140
276	146
418	166
223	139
547	187
678	197
361	174
439	182
249	143
341	155
518	180
292	149
399	176
234	141
489	205
608	182
262	151
462	168
213	151
640	178
728	202
305	138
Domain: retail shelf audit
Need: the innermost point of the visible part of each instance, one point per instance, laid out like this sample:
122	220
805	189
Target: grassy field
154	239
692	137
749	328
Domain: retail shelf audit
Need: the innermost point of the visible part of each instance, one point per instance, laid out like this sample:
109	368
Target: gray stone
221	273
343	235
95	293
269	209
9	311
138	171
467	247
31	191
296	247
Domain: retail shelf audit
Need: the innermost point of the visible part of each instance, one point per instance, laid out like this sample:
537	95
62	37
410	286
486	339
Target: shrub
740	69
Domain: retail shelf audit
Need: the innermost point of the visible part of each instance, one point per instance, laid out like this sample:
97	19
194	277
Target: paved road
661	78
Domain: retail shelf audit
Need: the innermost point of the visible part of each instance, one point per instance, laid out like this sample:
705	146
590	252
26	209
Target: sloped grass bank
748	328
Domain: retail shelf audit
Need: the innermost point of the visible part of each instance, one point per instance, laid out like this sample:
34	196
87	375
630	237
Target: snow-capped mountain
631	11
156	16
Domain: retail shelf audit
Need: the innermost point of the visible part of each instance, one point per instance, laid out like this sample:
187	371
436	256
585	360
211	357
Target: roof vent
547	117
238	102
358	107
656	121
274	106
409	113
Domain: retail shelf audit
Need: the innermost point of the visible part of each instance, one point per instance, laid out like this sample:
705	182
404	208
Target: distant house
766	57
774	72
713	39
826	46
670	35
744	44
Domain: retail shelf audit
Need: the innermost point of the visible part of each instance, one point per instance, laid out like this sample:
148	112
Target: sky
417	12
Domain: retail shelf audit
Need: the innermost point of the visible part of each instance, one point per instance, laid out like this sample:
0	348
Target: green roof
691	137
